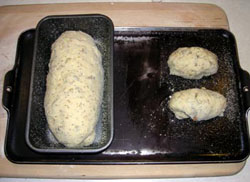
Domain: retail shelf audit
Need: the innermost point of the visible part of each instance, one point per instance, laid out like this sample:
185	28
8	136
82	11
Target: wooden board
16	19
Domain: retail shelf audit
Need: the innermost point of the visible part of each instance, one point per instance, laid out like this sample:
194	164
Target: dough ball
192	62
197	104
74	89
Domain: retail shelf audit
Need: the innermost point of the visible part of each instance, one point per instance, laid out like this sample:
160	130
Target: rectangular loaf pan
38	135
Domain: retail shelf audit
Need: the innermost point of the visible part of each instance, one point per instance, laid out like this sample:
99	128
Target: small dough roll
192	62
74	89
197	104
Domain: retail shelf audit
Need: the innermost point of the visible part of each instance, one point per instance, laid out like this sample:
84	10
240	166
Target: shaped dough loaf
193	62
198	104
74	89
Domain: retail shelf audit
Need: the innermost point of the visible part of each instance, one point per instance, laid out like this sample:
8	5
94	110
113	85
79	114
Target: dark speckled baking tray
38	136
146	132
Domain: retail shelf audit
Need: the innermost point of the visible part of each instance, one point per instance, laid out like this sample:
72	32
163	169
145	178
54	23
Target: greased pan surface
142	85
100	27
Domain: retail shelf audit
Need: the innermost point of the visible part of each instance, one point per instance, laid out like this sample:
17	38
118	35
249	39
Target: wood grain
118	171
16	19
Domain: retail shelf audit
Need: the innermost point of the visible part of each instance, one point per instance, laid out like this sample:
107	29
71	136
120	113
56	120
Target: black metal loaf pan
38	135
145	130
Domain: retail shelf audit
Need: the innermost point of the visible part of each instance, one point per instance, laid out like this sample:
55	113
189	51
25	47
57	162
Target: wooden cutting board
16	19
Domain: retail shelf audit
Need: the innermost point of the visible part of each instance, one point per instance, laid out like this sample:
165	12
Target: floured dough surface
74	89
192	62
197	104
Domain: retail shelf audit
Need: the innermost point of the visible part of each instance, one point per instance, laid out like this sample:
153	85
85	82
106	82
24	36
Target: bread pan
38	135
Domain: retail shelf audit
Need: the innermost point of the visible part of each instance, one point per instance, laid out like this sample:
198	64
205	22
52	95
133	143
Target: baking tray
38	135
145	131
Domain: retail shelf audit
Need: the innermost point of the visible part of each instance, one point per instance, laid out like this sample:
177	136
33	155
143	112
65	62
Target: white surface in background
238	13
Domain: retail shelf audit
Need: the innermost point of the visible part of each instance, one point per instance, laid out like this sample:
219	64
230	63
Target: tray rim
144	162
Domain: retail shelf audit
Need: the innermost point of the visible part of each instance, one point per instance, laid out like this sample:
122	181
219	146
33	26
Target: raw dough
198	104
74	89
193	62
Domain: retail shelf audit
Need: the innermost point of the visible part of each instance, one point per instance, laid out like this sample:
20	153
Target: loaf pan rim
27	129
